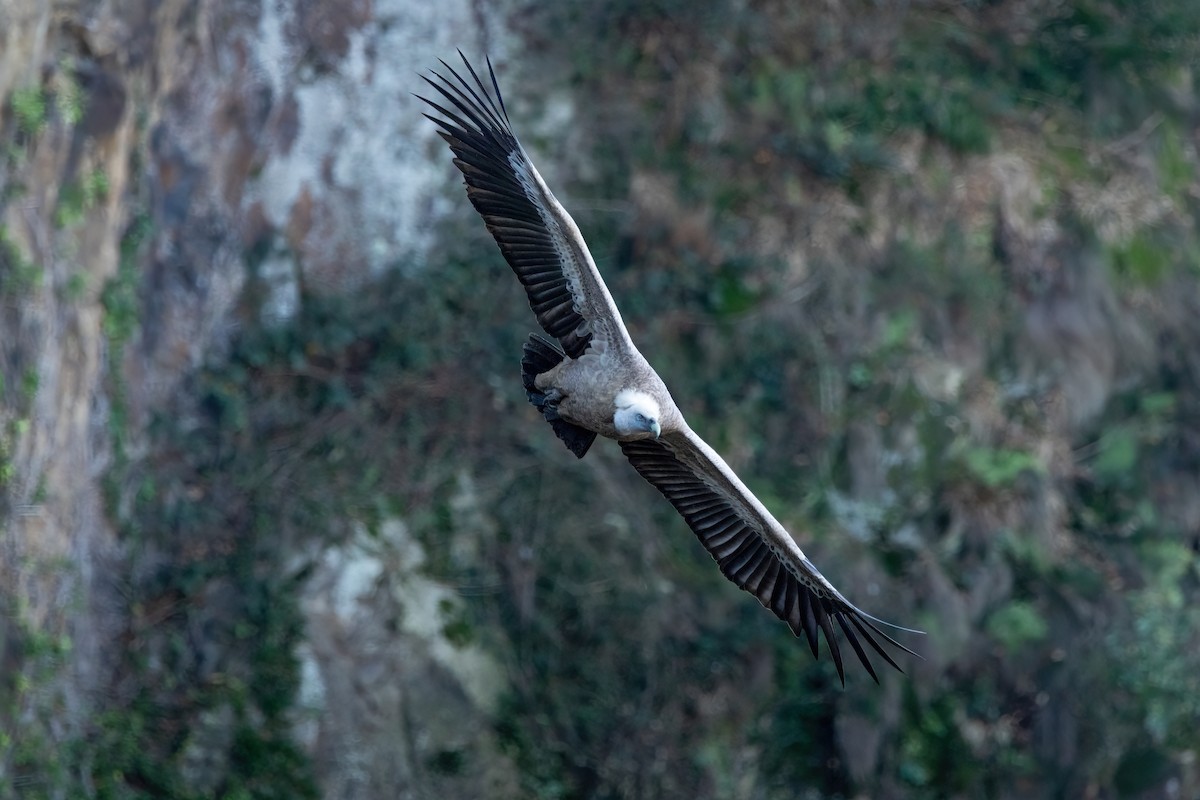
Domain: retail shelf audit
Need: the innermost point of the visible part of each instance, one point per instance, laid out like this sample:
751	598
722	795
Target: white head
637	415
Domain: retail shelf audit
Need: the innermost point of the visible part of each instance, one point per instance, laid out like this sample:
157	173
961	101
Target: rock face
159	155
275	520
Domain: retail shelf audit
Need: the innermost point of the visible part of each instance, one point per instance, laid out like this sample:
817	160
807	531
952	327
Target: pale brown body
588	387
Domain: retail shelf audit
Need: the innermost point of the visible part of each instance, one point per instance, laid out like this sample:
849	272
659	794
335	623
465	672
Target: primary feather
536	235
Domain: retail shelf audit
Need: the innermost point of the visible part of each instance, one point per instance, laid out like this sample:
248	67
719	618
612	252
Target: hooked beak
655	428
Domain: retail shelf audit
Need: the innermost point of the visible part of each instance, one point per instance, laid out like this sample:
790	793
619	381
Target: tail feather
541	355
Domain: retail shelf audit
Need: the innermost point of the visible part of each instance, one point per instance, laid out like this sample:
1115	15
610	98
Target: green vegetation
823	97
1017	624
28	753
1144	259
119	299
18	275
29	107
885	371
225	512
76	287
69	98
997	467
76	199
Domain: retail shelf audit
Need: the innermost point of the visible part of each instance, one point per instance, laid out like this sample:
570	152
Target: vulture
588	378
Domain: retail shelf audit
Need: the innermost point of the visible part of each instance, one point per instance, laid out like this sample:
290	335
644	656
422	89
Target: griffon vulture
594	381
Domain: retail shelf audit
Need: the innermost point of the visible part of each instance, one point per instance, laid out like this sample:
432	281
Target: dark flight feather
475	124
738	544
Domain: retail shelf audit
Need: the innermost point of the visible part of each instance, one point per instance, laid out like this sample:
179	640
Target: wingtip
496	86
835	650
891	625
857	645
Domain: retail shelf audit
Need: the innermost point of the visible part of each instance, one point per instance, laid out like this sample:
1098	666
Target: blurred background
277	522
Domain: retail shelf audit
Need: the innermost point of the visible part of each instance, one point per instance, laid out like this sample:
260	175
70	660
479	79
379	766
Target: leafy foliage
29	107
874	386
18	274
964	460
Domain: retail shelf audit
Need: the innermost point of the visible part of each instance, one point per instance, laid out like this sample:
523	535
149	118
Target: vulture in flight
595	381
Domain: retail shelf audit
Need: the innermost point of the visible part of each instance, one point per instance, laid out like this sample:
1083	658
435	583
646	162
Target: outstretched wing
536	235
752	549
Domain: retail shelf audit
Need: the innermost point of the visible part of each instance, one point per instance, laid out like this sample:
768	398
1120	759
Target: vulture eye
641	417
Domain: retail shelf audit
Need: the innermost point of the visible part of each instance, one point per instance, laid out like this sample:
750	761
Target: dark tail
538	356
